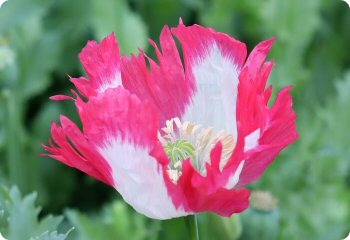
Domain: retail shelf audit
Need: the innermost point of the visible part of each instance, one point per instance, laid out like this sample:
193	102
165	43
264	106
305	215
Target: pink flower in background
176	138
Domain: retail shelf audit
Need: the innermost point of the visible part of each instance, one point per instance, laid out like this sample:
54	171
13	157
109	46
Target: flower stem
192	227
21	170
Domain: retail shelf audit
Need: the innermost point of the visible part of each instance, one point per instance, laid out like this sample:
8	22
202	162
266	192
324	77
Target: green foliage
39	44
212	226
19	218
167	10
320	168
111	15
116	221
51	236
263	216
265	224
18	11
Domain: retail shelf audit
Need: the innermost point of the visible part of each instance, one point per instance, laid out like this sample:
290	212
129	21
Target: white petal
233	180
108	83
2	2
252	140
139	180
214	103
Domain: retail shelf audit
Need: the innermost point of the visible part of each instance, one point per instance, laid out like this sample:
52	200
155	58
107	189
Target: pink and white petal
139	179
213	62
256	164
279	133
116	112
196	193
101	62
203	193
163	84
258	124
251	118
251	108
124	130
70	146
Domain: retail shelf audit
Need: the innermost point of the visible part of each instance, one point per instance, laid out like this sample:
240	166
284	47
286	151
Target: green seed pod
261	220
223	227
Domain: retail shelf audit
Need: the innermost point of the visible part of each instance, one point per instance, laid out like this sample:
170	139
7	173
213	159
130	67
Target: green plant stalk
13	147
192	226
20	169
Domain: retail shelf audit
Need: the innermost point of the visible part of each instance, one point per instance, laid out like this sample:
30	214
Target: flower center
190	140
179	151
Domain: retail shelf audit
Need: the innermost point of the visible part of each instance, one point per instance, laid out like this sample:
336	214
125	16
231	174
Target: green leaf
294	24
52	235
72	36
36	53
157	13
16	12
42	59
315	172
223	227
115	16
222	15
116	221
19	218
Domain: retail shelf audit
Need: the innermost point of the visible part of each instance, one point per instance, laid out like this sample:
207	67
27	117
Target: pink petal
197	193
163	84
276	126
262	132
71	147
61	98
258	55
102	65
131	98
213	62
124	131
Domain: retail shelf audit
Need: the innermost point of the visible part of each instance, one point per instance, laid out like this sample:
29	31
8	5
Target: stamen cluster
190	140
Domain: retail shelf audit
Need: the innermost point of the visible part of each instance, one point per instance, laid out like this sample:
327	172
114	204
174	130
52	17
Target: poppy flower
182	134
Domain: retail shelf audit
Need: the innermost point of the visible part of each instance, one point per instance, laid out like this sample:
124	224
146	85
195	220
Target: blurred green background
309	182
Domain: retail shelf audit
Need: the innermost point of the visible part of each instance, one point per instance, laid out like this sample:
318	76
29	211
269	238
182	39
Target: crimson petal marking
102	65
164	85
124	130
212	61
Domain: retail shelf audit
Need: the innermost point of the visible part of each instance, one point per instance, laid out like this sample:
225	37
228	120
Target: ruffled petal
257	57
101	62
118	146
258	123
197	193
124	130
163	84
277	135
130	99
213	62
71	147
